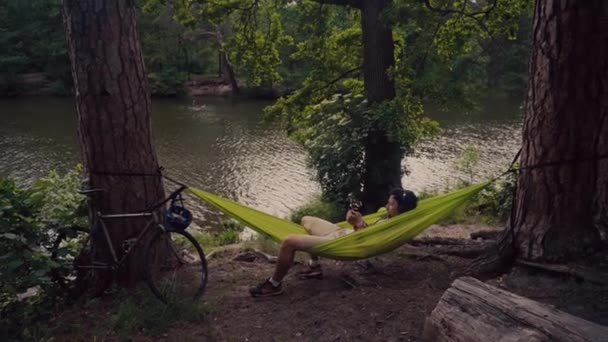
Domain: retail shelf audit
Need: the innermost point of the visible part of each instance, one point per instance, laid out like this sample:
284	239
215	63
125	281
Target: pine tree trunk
382	156
562	210
113	107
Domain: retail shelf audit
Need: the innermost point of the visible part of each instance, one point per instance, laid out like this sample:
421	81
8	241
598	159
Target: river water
225	147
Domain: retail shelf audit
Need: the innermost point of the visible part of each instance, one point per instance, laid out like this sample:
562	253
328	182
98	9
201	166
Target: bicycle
175	266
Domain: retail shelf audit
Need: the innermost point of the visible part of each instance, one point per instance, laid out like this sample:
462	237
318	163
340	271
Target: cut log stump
472	311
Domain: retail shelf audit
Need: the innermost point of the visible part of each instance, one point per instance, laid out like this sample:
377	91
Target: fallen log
472	311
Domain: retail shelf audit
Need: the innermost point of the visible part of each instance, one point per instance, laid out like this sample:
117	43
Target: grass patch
124	316
142	312
230	234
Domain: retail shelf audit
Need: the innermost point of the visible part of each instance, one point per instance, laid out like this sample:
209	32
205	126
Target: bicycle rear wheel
176	268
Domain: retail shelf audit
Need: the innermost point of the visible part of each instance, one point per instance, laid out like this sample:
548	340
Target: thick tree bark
113	106
562	208
382	156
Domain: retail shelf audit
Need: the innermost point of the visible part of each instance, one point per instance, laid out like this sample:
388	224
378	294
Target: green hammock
377	239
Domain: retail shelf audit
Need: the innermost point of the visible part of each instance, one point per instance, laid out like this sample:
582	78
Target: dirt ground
382	299
385	299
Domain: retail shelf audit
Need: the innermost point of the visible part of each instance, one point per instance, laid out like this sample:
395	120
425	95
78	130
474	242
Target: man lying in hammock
320	231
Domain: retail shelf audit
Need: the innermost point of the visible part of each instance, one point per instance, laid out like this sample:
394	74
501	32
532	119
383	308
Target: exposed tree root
443	241
487	234
585	273
496	261
450	246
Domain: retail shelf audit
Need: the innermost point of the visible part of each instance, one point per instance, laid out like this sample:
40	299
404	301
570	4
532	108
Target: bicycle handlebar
169	198
177	192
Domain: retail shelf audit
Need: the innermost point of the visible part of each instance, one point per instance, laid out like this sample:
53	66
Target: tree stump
472	311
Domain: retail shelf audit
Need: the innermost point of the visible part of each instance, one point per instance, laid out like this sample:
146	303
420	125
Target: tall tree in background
562	209
382	155
113	107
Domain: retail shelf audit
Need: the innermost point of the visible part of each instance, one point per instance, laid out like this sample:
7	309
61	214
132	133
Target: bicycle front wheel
176	268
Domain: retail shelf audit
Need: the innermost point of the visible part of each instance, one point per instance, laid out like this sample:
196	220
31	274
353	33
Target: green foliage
254	46
461	50
231	232
28	217
491	206
249	32
171	51
141	311
319	208
168	82
125	316
335	134
496	202
467	162
32	40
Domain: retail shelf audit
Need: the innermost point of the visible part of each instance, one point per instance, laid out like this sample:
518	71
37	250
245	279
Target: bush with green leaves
231	232
319	208
491	206
28	219
468	161
335	134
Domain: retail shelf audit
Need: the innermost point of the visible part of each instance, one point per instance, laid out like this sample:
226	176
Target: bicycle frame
149	213
100	222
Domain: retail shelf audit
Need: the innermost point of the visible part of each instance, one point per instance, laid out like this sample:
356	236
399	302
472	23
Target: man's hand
355	219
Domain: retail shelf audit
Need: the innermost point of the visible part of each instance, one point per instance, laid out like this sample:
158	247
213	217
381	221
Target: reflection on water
224	147
495	131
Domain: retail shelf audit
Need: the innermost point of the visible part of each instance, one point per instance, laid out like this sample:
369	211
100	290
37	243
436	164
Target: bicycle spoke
176	267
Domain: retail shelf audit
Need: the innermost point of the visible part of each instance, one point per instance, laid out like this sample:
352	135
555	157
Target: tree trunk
562	208
227	71
382	156
113	107
228	74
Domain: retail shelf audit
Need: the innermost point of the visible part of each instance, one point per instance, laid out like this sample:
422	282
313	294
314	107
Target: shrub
28	219
467	162
490	206
319	208
231	233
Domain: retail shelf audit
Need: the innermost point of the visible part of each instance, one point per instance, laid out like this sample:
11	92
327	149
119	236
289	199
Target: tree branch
463	12
344	74
352	3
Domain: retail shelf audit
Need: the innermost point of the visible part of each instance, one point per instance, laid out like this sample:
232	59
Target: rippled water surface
226	148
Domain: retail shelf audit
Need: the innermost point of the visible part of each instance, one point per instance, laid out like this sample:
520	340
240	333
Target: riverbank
381	299
40	84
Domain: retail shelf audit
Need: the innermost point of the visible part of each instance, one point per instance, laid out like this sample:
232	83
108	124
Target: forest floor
386	298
